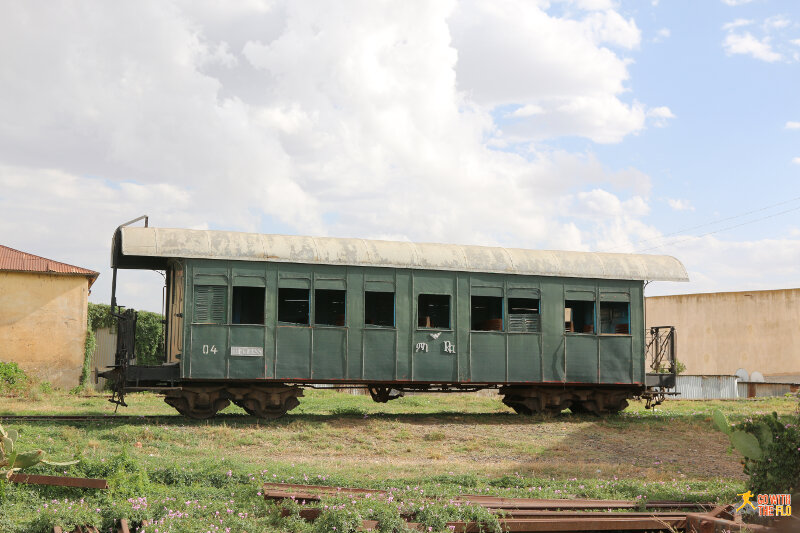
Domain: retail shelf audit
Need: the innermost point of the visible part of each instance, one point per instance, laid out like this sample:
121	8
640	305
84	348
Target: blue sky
594	125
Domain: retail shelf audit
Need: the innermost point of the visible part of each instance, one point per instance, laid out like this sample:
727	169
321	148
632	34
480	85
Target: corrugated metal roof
169	243
17	261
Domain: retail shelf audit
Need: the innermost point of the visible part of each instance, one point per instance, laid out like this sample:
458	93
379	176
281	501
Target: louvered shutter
209	304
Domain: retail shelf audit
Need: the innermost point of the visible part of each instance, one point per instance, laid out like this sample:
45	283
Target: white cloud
660	115
777	22
736	2
716	265
796	160
680	204
662	35
747	44
516	53
792	125
527	111
374	120
738	23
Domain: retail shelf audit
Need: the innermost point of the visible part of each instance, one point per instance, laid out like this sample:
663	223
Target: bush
13	380
771	450
149	332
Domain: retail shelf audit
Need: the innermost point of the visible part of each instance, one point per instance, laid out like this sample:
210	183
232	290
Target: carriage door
175	314
209	330
434	354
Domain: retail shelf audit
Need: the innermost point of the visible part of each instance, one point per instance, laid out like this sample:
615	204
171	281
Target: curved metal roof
137	243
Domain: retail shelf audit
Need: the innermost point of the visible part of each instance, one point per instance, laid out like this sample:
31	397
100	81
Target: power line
712	224
721	229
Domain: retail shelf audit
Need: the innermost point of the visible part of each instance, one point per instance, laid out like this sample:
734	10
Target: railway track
112	418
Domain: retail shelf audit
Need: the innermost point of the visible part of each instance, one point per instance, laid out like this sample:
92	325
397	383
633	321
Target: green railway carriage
254	318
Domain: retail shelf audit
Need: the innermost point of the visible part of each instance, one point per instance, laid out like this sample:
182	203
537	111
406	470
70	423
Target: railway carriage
253	319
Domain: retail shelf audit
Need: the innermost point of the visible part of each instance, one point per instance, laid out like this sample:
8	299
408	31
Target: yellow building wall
43	324
719	333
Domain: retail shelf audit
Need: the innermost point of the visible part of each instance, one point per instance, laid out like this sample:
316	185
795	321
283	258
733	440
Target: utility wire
684	230
721	229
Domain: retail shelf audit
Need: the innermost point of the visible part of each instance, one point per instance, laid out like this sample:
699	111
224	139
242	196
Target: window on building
486	313
329	307
379	309
433	311
523	315
248	305
579	316
615	318
293	307
209	304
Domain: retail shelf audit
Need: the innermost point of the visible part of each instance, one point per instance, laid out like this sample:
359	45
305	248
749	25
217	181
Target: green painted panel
522	292
248	274
488	356
463	317
379	286
403	322
294	283
435	364
246	352
583	296
355	316
552	322
379	354
615	297
331	284
205	279
271	315
524	357
615	359
487	291
209	347
330	347
581	354
428	282
293	357
638	369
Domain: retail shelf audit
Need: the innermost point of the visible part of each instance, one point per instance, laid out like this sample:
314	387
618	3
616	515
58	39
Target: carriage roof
136	247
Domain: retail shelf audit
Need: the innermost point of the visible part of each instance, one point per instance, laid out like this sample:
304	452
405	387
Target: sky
632	126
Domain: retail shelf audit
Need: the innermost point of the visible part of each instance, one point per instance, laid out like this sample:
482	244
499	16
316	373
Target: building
720	333
43	306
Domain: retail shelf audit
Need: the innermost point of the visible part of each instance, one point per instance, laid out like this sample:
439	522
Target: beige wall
719	333
43	324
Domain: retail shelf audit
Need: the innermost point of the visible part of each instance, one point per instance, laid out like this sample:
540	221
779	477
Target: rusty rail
59	481
279	491
540	515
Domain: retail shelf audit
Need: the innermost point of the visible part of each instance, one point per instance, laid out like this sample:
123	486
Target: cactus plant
721	422
12	461
747	444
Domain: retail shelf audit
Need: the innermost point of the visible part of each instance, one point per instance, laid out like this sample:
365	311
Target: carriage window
433	311
329	307
523	315
615	318
248	305
487	313
209	304
379	309
293	306
579	316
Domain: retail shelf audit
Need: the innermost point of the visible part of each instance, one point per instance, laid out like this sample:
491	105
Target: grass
442	444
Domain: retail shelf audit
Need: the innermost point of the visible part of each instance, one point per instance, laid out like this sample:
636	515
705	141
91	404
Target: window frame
314	320
394	310
449	312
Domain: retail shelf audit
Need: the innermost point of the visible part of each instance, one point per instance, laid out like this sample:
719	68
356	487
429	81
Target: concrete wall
43	324
719	333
